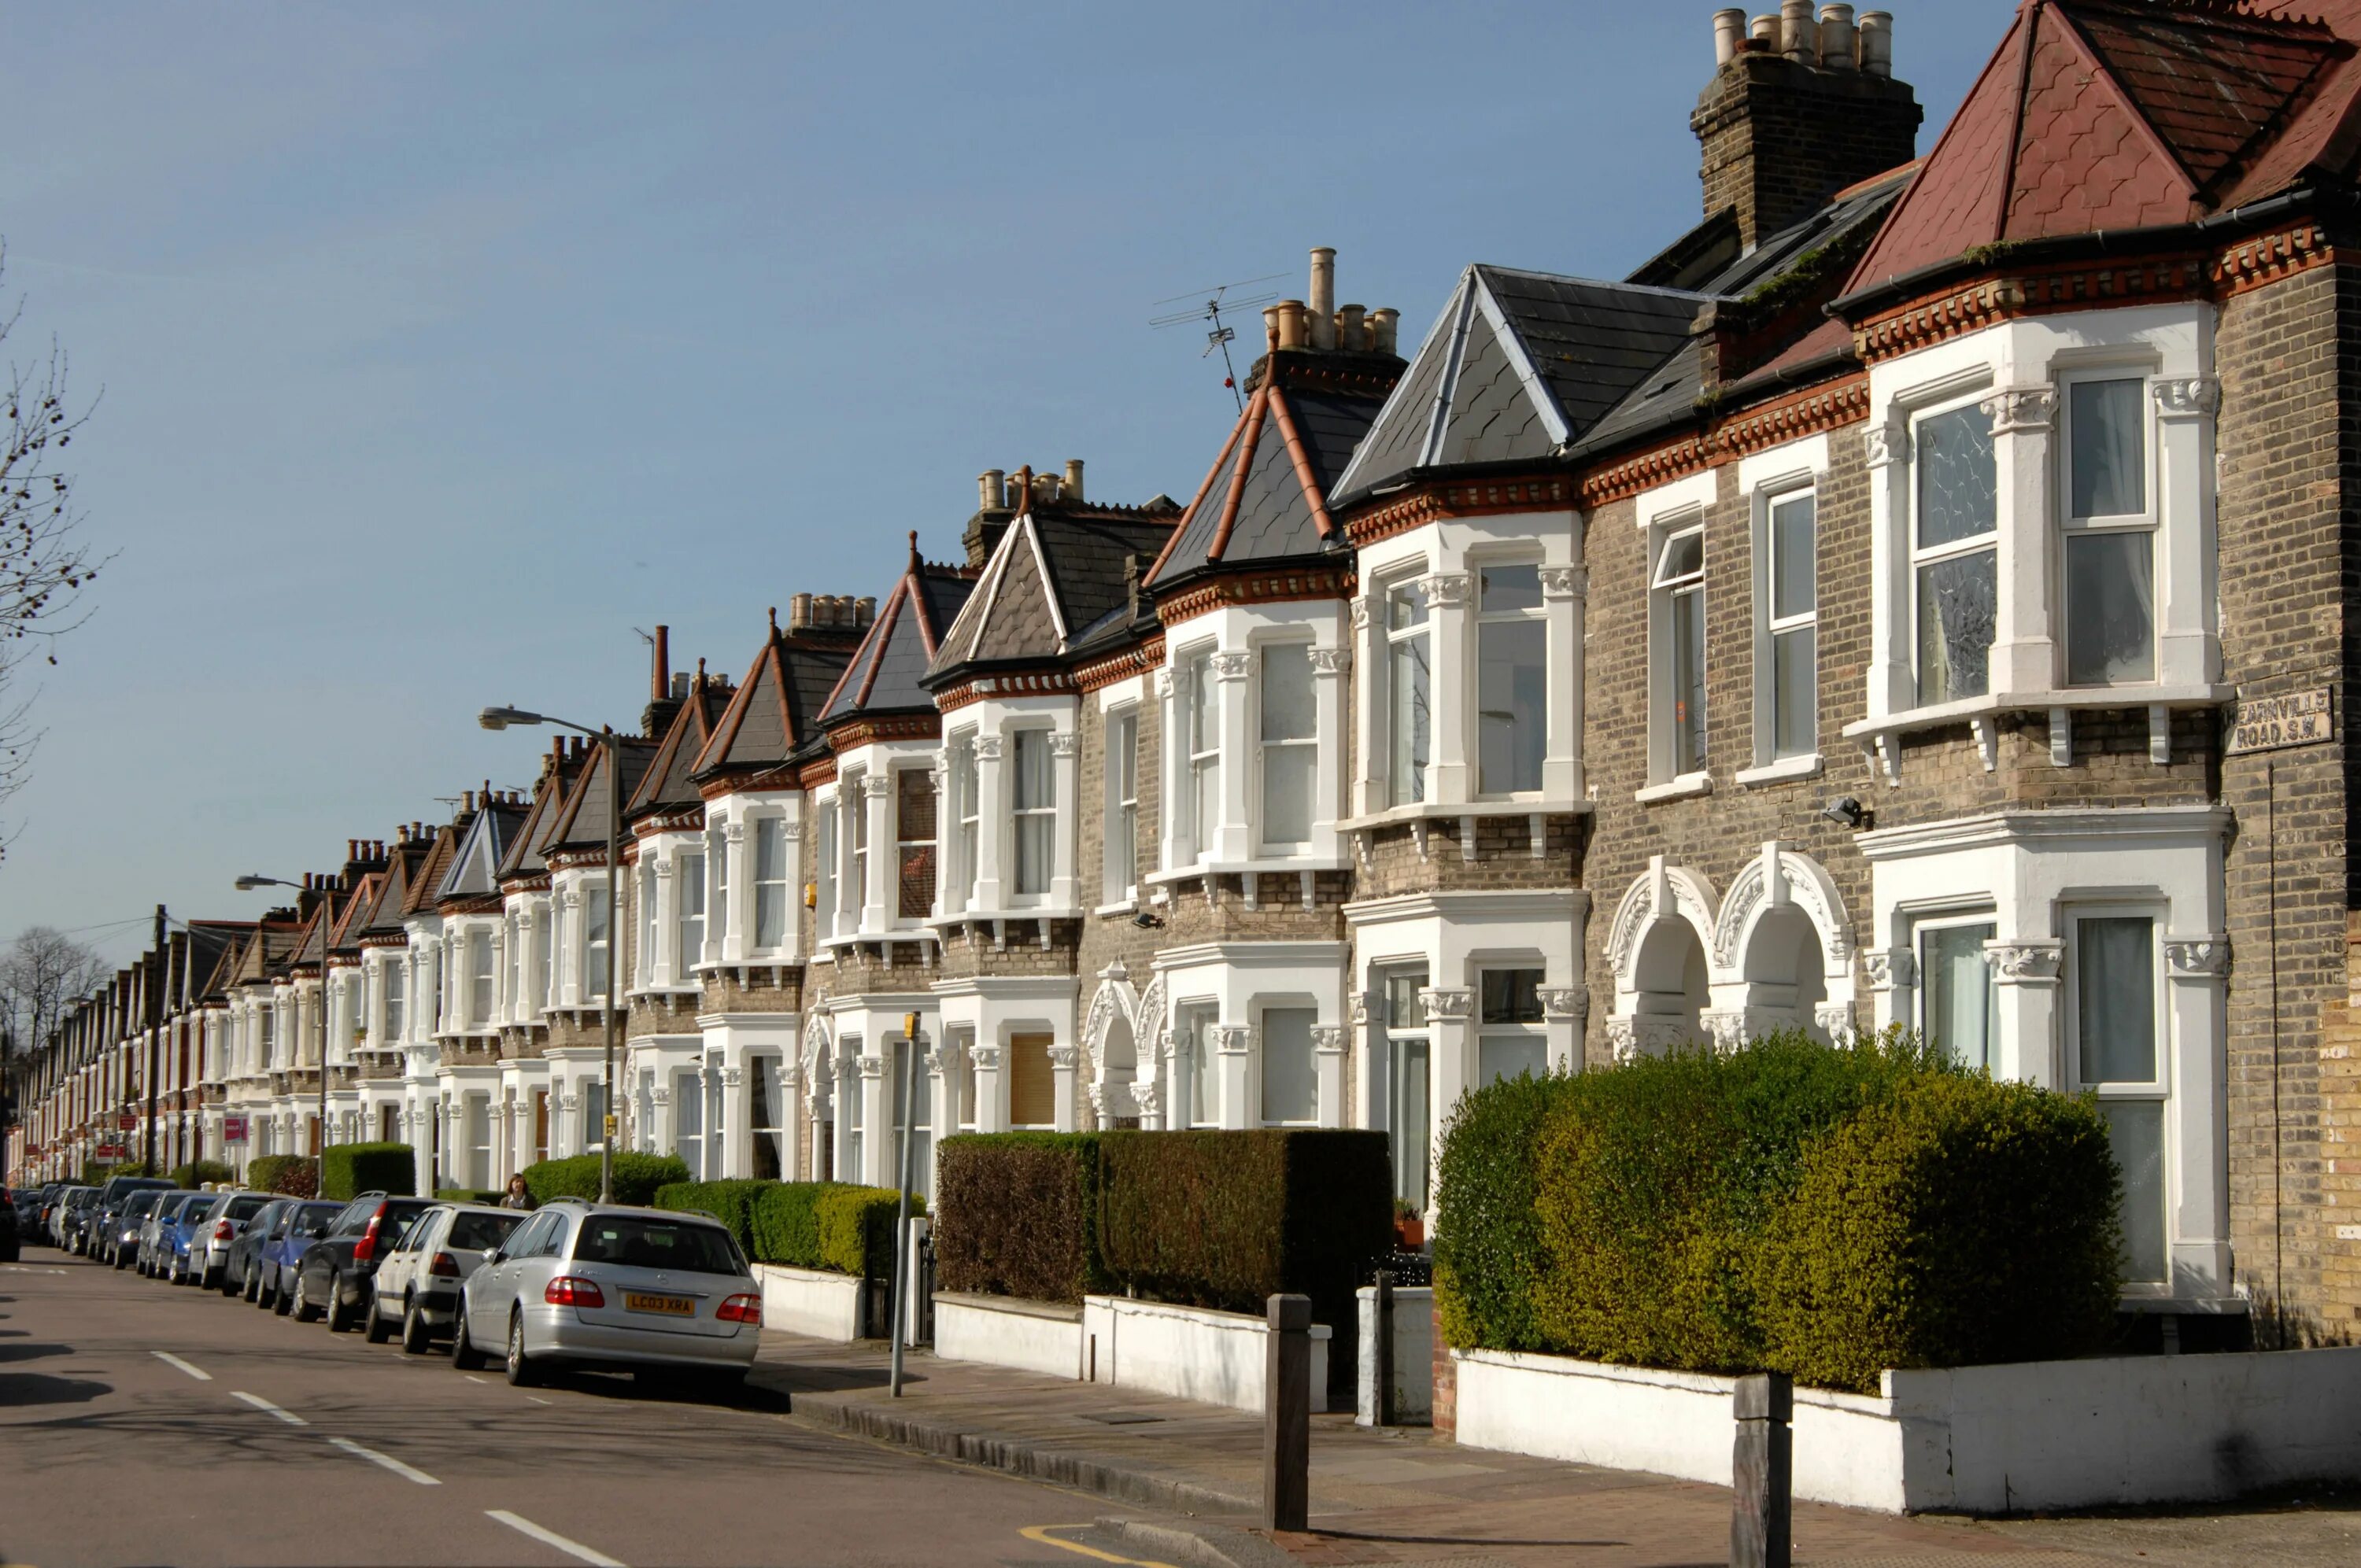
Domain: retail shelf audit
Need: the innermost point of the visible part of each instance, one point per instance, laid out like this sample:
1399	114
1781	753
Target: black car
112	1199
339	1270
8	1227
241	1274
121	1242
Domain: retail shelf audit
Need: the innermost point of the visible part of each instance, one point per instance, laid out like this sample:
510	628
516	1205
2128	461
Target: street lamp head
501	718
248	883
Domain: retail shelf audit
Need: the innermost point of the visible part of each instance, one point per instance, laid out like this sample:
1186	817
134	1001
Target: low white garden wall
1978	1439
1414	1318
1034	1336
1189	1353
811	1302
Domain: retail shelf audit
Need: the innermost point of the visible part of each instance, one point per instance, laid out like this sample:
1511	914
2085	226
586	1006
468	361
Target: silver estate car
416	1288
604	1285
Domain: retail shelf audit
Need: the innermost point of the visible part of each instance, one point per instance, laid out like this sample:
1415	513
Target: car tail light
741	1309
365	1250
221	1231
444	1265
567	1290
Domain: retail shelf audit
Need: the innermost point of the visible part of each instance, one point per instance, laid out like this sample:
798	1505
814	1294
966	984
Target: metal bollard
1761	1510
1286	1415
1383	1328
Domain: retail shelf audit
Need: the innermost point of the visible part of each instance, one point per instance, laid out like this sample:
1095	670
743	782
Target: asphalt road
141	1424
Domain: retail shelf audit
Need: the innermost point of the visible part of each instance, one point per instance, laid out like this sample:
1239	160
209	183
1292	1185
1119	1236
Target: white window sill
1428	811
1973	708
1121	906
1786	770
1290	866
1682	788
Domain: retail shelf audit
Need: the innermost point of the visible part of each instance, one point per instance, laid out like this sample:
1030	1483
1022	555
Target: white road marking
259	1403
406	1472
551	1538
471	1380
28	1269
537	1401
168	1359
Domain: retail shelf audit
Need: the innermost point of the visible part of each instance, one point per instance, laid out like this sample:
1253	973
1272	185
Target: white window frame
1538	616
688	887
903	845
1770	626
644	884
1532	1031
1199	691
1404	787
853	799
1664	771
963	868
1197	1072
1263	1007
714	947
483	978
1044	736
394	1020
1281	847
2157	1090
772	824
1119	845
824	869
1922	926
2146	522
1916	559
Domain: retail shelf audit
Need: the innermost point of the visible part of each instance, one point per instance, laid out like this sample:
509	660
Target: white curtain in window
770	882
2109	454
1035	796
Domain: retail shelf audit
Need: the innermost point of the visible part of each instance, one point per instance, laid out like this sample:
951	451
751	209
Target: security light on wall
1845	810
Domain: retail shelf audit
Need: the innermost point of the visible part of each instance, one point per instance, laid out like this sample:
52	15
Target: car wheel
253	1291
210	1279
121	1258
377	1330
415	1339
464	1353
339	1316
304	1312
523	1373
283	1300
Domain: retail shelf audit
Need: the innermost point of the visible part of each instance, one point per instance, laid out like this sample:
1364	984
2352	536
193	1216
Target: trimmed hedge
197	1172
637	1177
347	1171
802	1225
465	1195
1017	1215
1767	1210
289	1175
1221	1219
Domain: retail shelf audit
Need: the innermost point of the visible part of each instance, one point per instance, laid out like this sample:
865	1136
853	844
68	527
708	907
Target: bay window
544	978
394	1022
2109	533
1954	547
2111	965
688	875
765	1127
595	943
1410	672
967	795
1790	640
1035	809
1409	1088
824	891
1290	744
717	906
480	978
914	837
644	968
770	883
1511	682
853	802
1291	1084
1510	1038
1677	594
1196	1099
1202	746
1122	849
1959	1005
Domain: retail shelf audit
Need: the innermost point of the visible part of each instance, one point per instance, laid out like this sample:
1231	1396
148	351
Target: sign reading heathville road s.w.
2267	723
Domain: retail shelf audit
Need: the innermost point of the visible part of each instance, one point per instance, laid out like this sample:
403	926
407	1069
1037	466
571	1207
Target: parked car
156	1240
417	1287
292	1234
123	1233
9	1229
151	1227
240	1274
334	1277
28	1211
601	1285
53	1204
214	1230
112	1198
80	1208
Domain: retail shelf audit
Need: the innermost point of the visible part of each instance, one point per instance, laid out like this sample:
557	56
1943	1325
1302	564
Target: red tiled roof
2125	113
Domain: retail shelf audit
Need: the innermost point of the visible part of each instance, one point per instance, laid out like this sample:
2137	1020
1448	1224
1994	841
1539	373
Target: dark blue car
296	1228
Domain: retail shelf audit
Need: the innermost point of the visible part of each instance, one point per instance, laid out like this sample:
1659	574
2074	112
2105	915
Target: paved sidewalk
1401	1497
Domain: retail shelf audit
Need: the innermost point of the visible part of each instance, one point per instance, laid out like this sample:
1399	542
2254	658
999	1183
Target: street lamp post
327	911
500	718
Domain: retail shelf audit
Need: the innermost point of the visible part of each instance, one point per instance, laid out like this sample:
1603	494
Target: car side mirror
492	1254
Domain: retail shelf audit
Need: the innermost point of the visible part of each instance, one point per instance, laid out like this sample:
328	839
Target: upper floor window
1123	806
1512	684
824	858
544	981
1789	644
517	965
1035	807
479	976
1203	735
1291	743
1678	601
688	874
392	989
1954	552
2109	535
966	788
717	906
854	803
770	882
1408	694
645	968
914	837
595	942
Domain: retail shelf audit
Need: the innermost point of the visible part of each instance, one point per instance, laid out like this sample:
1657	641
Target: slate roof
581	822
1520	366
888	668
668	783
2113	114
474	868
347	935
1056	570
559	769
426	876
216	946
775	710
402	860
1265	497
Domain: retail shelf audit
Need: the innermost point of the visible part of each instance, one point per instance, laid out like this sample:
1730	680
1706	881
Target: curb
1202	1546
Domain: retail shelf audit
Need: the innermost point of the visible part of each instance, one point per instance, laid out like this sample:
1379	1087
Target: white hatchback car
416	1289
609	1286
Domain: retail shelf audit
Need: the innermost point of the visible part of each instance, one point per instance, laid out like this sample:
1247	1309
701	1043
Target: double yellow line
1041	1533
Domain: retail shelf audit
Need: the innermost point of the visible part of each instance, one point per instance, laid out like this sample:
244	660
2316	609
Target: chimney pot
1291	324
1270	327
991	494
1382	324
680	684
1877	42
661	681
1799	36
799	612
1351	330
1764	31
1729	28
1837	37
1074	489
1322	303
865	610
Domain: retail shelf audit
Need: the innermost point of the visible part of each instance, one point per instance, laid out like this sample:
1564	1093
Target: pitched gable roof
582	822
668	781
559	768
347	934
886	669
2111	115
427	877
1058	570
1266	497
474	868
1519	366
775	710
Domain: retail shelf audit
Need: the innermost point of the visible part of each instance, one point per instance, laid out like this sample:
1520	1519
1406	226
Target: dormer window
2109	535
1512	680
1035	798
770	883
1408	694
1290	744
1954	552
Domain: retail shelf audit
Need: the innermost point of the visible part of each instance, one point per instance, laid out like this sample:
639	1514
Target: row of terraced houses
1921	594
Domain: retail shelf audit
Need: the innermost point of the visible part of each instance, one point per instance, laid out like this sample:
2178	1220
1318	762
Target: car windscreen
473	1233
141	1202
247	1205
636	1243
313	1219
189	1206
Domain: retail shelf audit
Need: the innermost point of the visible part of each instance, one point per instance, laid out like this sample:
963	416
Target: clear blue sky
443	345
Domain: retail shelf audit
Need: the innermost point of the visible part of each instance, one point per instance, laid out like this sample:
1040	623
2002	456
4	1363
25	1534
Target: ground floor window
1409	1088
1291	1083
1510	1039
540	1124
389	1123
1195	1099
2116	1013
688	1121
478	1113
1958	997
767	1148
1032	1084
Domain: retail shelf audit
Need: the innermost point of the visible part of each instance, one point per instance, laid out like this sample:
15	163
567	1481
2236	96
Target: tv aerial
1220	334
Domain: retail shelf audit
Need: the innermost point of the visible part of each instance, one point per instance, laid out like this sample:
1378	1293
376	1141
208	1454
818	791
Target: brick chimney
663	700
1800	106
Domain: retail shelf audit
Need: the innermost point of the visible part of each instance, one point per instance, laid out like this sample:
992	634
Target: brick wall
1817	131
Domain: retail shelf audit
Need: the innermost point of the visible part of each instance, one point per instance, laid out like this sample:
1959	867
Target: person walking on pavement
519	1196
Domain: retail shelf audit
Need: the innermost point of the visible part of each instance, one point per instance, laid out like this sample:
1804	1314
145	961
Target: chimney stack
1322	303
1072	493
1382	324
1804	106
660	680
